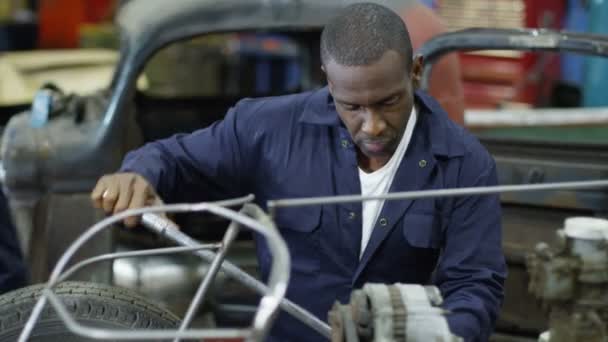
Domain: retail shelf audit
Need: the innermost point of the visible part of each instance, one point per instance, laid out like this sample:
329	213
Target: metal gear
386	313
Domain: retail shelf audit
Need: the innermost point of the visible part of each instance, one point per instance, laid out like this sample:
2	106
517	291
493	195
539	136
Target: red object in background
545	13
542	14
98	10
528	78
60	20
490	80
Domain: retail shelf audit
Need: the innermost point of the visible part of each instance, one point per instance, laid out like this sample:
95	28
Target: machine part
97	305
344	327
424	319
391	313
170	279
571	280
384	316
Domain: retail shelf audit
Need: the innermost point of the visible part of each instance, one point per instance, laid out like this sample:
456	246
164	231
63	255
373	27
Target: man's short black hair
362	33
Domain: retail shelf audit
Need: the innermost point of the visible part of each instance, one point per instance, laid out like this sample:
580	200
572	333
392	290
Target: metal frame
250	217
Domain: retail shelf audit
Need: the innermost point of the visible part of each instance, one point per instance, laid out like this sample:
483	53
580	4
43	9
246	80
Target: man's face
374	102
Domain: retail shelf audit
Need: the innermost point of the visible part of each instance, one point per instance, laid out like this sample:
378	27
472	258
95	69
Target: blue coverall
296	146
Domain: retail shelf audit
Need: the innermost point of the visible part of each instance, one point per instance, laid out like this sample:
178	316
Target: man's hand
121	191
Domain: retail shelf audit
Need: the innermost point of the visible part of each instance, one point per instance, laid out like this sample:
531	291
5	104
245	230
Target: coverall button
422	163
352	215
383	221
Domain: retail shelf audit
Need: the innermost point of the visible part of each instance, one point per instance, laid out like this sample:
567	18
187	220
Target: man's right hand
121	191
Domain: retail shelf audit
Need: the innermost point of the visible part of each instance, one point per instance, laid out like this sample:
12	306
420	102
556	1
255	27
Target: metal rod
105	334
229	237
132	254
482	190
349	328
29	325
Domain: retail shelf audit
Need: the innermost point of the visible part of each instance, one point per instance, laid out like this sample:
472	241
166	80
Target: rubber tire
91	304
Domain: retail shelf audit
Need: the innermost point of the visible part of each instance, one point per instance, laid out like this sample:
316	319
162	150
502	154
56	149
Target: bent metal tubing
279	275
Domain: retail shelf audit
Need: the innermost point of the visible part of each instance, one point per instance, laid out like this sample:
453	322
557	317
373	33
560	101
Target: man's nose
373	124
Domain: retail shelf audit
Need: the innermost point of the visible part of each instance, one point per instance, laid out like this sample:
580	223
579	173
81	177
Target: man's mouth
375	146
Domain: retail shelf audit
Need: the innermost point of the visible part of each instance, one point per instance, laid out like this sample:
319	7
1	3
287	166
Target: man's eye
350	107
391	101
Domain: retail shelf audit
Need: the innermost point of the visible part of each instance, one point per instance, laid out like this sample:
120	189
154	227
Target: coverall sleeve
471	270
206	165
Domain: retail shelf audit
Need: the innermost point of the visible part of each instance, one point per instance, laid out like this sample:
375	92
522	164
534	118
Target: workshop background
53	49
490	79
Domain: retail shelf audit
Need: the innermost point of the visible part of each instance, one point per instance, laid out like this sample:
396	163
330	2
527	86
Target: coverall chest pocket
300	228
422	232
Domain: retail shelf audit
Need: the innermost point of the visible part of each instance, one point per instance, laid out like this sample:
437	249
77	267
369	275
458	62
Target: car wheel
91	304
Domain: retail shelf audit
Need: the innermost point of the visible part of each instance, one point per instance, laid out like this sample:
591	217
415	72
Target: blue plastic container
573	65
595	90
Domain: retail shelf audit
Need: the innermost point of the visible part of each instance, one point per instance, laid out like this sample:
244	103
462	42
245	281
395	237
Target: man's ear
329	85
417	64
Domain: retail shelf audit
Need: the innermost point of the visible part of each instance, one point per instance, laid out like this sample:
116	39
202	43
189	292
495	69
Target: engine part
571	280
391	313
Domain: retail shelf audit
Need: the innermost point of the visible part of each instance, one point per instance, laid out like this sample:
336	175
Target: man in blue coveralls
368	132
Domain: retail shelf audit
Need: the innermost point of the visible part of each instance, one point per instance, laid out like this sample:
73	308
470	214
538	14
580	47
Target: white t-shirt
379	182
